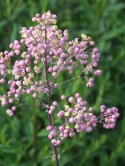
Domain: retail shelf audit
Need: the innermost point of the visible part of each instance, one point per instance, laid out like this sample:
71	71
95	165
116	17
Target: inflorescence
78	117
46	43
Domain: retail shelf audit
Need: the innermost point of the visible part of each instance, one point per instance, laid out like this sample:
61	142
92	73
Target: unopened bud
66	113
66	107
67	127
89	123
1	54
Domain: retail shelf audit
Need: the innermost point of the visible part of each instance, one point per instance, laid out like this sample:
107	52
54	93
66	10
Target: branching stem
49	99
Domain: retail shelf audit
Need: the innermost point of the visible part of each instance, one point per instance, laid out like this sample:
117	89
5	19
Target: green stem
34	138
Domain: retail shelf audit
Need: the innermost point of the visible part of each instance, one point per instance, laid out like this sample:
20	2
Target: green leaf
3	23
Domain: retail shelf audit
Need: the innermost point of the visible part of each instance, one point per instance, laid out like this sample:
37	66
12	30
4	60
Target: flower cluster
44	42
109	117
78	117
45	50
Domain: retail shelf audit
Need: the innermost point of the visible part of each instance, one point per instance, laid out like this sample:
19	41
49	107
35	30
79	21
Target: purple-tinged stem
49	101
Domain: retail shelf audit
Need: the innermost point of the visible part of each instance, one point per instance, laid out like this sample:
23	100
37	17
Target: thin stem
35	138
30	105
72	79
49	99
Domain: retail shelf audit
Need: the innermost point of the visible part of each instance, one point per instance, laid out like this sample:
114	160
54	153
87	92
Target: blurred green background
23	138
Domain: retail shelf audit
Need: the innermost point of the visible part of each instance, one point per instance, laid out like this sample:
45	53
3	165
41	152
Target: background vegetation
104	21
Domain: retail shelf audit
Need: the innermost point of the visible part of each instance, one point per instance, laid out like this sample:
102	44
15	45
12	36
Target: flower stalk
49	100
